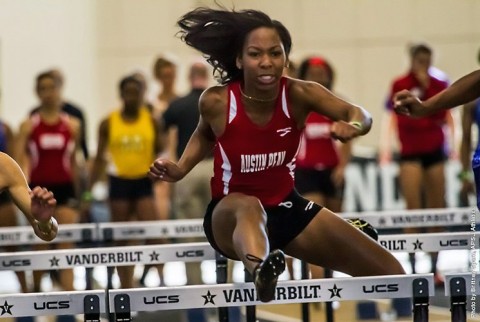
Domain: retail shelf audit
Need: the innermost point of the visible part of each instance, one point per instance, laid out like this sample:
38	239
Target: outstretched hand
344	131
43	204
43	207
405	103
165	170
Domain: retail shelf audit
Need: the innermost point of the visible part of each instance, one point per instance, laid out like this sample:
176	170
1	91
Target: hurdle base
367	310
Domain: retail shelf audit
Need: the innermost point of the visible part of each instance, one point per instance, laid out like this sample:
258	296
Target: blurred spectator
130	137
422	142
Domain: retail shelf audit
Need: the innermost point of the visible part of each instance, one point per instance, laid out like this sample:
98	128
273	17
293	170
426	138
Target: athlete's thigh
331	242
411	177
227	213
435	185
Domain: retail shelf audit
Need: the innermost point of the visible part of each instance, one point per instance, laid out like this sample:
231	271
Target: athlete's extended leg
239	230
329	241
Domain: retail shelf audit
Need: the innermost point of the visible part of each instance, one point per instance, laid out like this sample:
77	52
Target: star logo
209	298
465	218
164	231
417	245
335	291
154	256
6	308
54	261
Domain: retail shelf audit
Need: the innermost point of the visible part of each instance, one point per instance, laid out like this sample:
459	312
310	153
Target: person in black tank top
249	48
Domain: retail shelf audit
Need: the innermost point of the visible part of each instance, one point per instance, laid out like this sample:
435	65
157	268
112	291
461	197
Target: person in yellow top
128	143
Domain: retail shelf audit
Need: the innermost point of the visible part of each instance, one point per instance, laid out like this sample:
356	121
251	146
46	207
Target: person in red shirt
321	161
423	145
253	122
46	146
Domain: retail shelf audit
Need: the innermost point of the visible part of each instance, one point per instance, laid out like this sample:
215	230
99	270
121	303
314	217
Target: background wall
97	42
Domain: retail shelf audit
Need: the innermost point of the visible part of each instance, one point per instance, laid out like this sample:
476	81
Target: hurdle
458	286
418	286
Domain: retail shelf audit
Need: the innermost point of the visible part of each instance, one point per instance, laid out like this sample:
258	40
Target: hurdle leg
421	299
458	299
251	309
122	308
305	306
329	306
221	263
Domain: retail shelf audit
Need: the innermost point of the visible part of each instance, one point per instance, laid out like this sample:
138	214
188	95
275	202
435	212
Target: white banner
303	291
51	303
106	256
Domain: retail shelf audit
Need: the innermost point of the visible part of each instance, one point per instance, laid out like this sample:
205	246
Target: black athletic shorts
129	189
64	193
284	222
311	180
426	159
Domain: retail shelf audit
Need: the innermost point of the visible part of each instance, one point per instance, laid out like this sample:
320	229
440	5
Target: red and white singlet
256	160
51	147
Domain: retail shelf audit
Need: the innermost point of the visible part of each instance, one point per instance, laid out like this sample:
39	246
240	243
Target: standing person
165	73
48	141
422	144
129	137
74	111
462	91
253	121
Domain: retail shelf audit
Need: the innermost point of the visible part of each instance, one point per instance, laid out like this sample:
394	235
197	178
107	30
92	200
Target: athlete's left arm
313	97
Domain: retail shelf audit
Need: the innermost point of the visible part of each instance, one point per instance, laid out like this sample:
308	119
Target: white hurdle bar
106	256
418	217
190	252
125	301
24	235
194	227
90	303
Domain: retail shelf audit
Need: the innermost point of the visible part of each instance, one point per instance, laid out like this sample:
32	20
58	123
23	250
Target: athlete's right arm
198	147
462	91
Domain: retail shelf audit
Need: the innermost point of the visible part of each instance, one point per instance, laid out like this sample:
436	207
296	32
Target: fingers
157	170
43	195
343	131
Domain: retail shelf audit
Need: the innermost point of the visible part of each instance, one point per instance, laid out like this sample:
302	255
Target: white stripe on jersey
233	108
227	171
284	102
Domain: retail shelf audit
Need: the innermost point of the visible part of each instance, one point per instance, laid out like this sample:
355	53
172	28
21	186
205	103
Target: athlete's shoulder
302	90
213	99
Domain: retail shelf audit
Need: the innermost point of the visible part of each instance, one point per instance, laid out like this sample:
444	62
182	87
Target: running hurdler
253	122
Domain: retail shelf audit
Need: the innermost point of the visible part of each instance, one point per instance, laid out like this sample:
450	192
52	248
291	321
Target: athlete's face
48	91
132	96
262	60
